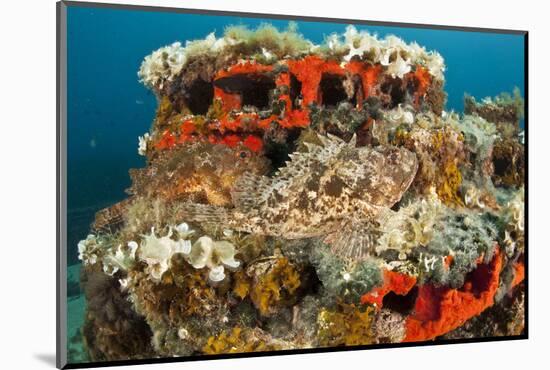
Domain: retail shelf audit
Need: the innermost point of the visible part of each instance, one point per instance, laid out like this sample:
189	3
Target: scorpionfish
333	190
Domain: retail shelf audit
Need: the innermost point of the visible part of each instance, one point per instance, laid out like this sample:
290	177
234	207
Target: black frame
61	170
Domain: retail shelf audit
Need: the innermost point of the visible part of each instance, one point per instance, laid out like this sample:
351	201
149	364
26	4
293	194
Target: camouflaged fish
332	190
197	172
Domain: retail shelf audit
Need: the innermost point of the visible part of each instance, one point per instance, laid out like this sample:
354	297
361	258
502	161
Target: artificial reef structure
302	196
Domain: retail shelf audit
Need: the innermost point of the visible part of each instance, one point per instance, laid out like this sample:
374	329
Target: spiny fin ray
353	241
302	161
203	213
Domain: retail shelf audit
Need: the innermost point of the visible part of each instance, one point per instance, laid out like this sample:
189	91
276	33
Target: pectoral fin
203	213
354	240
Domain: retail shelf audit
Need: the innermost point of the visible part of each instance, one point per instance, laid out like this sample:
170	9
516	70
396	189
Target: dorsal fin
301	161
298	162
249	191
330	139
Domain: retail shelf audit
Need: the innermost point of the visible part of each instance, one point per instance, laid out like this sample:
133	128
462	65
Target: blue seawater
108	108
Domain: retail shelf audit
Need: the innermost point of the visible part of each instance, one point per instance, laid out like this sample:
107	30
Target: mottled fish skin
318	191
320	188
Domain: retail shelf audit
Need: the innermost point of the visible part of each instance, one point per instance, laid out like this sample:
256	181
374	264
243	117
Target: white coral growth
391	52
121	259
474	197
358	43
515	210
167	62
157	252
393	49
89	250
184	231
399	67
399	116
478	132
514	216
214	255
162	65
410	227
142	143
435	64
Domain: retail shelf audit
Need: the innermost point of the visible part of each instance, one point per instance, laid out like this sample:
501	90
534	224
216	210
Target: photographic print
240	184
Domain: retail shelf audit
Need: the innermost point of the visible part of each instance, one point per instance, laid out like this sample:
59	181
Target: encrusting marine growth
299	195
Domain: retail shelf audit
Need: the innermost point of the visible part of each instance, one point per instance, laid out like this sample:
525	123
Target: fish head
378	176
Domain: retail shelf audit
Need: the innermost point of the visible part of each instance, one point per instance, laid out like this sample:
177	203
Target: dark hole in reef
404	304
295	91
394	88
396	206
473	156
199	96
310	281
332	91
254	88
477	280
501	165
